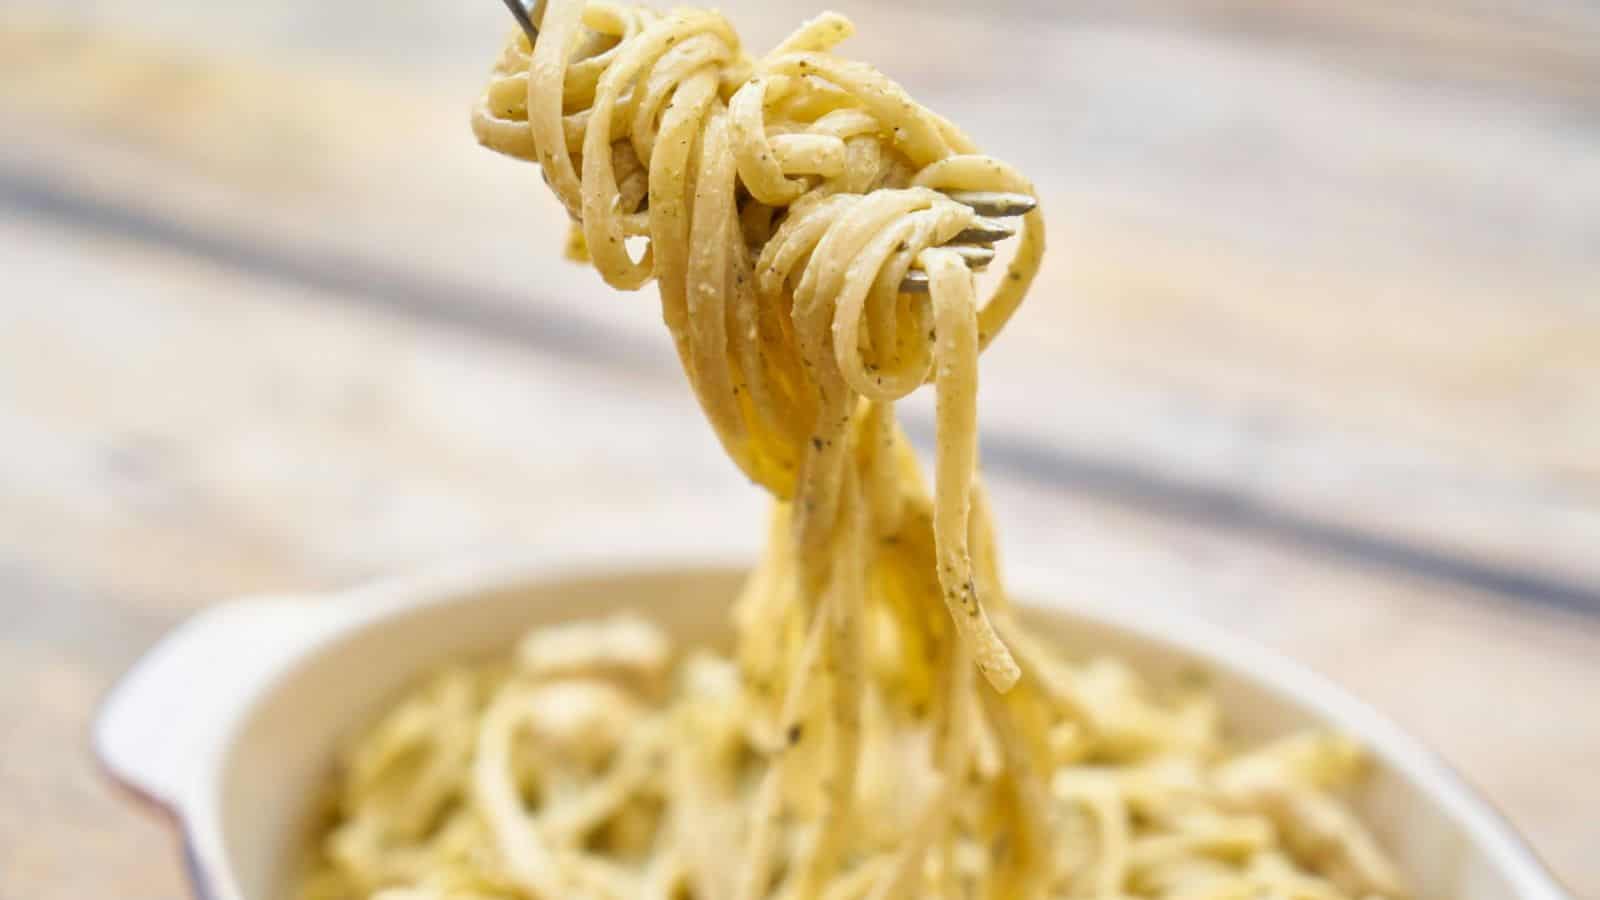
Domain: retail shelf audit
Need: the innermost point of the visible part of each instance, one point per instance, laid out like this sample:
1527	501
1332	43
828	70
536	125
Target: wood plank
63	832
1186	328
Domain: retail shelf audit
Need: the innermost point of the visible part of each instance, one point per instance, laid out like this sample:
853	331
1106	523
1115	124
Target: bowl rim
195	816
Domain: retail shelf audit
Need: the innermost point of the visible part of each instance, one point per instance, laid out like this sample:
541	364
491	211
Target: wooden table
1316	355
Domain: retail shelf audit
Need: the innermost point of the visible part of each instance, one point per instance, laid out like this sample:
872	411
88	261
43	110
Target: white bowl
231	721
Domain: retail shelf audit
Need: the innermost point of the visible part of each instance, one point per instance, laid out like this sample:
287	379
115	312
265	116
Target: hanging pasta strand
886	727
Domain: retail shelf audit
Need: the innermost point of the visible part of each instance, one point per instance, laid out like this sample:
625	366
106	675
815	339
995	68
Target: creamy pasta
883	727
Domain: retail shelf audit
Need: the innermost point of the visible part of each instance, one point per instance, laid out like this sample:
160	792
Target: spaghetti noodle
849	749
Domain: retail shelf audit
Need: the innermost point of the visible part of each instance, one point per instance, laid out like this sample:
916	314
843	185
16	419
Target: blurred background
1315	355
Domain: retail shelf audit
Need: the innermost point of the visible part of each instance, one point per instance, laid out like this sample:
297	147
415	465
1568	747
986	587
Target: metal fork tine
977	258
985	231
915	282
974	256
994	203
520	13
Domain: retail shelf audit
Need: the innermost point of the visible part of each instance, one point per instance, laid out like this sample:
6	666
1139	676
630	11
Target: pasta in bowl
601	760
237	721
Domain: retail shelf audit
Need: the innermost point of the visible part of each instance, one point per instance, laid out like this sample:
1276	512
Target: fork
975	244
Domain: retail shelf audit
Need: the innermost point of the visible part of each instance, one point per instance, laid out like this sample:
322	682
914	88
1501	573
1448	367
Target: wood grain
1298	377
1318	337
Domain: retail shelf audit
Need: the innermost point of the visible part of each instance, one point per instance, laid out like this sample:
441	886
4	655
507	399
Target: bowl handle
158	727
